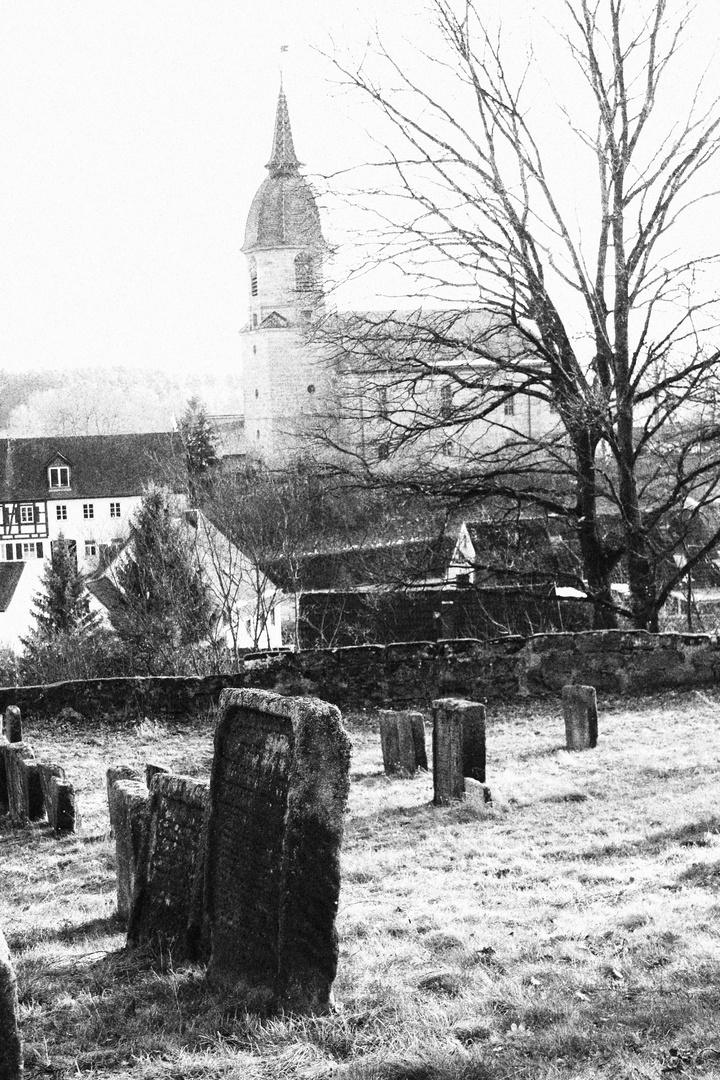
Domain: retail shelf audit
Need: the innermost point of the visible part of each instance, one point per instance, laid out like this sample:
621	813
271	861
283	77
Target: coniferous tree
166	605
199	440
63	605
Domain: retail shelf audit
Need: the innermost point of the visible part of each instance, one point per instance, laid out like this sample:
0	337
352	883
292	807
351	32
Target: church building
434	385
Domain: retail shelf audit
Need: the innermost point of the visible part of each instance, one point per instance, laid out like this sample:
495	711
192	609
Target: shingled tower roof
284	212
283	159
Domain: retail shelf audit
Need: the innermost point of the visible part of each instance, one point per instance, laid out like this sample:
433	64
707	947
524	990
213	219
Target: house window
383	402
9	552
29	551
60	477
304	272
88	510
509	407
448	448
90	549
27	515
445	401
254	322
115	509
61	512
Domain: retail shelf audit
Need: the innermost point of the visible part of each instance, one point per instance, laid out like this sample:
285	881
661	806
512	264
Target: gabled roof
403	563
101	466
10	574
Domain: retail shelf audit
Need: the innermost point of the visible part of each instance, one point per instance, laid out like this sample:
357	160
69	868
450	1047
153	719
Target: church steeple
283	159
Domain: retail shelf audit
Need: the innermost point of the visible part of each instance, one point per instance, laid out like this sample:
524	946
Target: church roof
284	212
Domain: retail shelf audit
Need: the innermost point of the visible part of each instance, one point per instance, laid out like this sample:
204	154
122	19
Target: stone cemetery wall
11	1055
278	791
406	675
166	911
162	696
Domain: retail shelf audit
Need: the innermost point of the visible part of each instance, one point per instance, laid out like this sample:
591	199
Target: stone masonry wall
407	674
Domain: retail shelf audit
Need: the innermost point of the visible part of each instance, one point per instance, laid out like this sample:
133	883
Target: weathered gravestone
13	724
402	736
58	797
458	747
11	1056
24	794
278	792
581	717
128	806
162	915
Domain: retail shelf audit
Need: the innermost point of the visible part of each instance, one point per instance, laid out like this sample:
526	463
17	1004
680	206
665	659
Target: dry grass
572	930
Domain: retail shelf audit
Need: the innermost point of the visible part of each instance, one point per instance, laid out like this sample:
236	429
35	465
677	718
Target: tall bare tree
564	279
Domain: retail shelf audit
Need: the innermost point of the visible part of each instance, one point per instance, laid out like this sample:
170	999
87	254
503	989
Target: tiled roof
10	574
101	466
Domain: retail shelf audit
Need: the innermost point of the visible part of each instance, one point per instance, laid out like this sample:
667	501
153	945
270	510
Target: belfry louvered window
304	272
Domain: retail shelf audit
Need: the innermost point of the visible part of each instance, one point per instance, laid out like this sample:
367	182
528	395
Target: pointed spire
283	159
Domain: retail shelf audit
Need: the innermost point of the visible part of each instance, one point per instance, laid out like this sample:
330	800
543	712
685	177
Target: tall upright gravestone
458	747
402	736
278	792
581	717
11	1056
162	915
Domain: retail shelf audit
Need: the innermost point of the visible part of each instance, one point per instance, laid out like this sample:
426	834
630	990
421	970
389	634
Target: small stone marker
162	915
581	717
458	747
13	724
402	735
278	791
128	806
11	1055
24	793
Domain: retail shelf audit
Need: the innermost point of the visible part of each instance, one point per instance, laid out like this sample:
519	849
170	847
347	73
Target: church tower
285	388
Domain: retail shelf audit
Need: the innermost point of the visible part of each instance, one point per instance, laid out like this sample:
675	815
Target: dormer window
59	476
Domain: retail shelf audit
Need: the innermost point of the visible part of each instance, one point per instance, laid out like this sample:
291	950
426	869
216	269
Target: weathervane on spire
283	49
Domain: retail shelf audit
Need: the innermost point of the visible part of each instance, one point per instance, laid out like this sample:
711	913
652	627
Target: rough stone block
13	724
162	915
62	809
581	718
278	792
46	772
128	807
11	1055
458	747
402	736
24	793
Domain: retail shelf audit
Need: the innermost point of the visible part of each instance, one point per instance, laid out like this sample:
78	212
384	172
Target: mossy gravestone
23	790
458	747
162	914
13	724
278	792
128	806
402	737
581	717
11	1057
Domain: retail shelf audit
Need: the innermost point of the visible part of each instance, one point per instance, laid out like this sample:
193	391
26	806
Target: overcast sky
133	135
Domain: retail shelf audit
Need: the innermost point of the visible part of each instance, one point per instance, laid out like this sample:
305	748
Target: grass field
572	930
